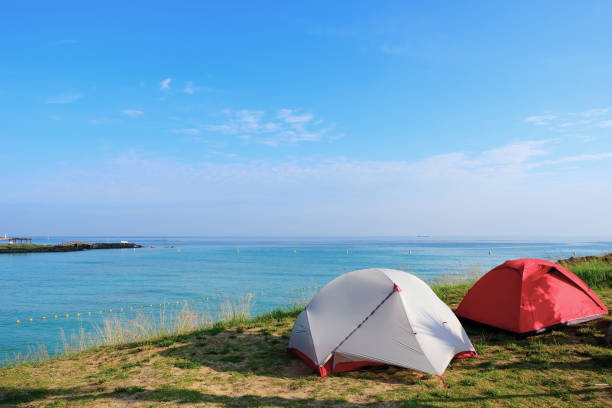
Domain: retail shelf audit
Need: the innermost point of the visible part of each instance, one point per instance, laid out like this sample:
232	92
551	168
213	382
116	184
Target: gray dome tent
375	317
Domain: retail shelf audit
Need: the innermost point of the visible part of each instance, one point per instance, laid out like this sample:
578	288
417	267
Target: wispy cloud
132	113
64	98
540	120
581	158
606	123
164	85
289	116
186	131
466	193
284	126
190	88
574	121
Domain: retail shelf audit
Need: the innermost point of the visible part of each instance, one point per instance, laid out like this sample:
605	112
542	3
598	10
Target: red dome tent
528	296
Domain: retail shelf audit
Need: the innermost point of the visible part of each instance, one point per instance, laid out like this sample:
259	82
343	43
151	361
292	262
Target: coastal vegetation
64	247
239	360
22	246
595	271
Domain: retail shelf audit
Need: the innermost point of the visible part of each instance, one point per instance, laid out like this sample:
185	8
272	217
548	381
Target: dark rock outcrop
67	247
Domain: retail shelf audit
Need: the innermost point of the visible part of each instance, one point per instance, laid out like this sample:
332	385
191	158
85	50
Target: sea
75	290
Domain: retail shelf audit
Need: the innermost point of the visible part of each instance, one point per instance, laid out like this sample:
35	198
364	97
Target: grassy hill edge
242	362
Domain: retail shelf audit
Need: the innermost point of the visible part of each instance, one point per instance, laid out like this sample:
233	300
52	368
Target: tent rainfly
528	296
378	317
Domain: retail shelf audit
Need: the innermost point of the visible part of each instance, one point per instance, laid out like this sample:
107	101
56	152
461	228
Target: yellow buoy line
149	306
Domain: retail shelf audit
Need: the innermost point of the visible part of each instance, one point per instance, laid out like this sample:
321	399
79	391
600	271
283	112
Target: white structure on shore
16	240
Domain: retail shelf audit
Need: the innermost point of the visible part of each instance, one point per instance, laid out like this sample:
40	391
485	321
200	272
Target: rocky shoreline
66	247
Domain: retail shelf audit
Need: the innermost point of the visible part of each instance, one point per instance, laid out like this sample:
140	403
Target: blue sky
277	118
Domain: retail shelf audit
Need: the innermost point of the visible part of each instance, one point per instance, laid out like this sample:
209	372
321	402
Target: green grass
23	246
242	362
451	294
595	273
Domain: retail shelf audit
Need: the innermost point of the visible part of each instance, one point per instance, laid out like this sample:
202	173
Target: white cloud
587	120
64	98
519	152
286	126
289	116
165	84
462	193
598	112
132	113
190	88
187	131
606	123
541	120
581	158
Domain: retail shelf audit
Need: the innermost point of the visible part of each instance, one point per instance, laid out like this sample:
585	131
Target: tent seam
314	349
575	284
416	337
362	322
520	305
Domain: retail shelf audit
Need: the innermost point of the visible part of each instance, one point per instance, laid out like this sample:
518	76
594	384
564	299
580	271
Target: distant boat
423	236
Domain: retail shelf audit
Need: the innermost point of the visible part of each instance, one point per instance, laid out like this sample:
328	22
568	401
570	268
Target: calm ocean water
46	284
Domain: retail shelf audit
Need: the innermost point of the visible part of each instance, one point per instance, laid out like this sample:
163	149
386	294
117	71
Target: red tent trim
466	354
329	367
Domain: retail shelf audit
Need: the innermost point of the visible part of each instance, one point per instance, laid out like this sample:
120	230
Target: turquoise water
46	284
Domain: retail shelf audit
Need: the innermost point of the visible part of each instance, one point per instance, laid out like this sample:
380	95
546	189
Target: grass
594	271
161	326
22	246
241	362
